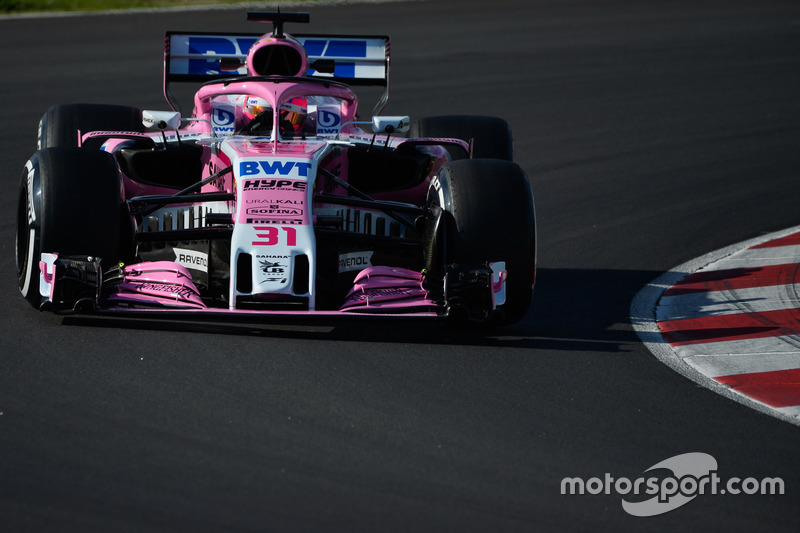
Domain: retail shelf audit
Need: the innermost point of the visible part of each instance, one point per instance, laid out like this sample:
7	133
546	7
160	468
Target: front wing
155	289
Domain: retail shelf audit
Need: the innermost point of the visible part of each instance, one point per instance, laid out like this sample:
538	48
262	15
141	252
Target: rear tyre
70	203
492	136
481	211
60	124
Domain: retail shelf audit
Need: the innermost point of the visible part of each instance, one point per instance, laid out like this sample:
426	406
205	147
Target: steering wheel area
259	125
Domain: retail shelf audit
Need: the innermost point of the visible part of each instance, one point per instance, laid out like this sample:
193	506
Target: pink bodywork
161	285
383	288
157	283
377	290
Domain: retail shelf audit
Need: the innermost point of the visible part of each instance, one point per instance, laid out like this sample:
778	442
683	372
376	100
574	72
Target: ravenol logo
282	168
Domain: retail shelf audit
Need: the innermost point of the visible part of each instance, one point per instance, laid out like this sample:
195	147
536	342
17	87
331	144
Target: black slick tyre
61	124
483	213
70	203
491	136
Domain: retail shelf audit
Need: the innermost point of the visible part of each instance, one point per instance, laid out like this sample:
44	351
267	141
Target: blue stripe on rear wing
200	57
363	60
196	57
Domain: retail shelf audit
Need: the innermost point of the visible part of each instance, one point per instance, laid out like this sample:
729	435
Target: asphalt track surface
652	133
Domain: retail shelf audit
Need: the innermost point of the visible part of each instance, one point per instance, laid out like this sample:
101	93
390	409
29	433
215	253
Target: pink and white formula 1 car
275	198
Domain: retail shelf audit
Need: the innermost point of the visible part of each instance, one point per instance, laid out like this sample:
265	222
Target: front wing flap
73	284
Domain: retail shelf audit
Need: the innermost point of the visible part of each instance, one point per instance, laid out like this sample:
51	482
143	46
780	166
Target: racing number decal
272	235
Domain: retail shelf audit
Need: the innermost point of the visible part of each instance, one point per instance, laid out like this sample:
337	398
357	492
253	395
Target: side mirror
390	124
161	120
325	66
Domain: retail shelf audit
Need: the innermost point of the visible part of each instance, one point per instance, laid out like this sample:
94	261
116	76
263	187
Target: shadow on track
572	310
585	309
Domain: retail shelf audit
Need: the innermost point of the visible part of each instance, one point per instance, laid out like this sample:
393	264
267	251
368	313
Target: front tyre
481	212
70	203
62	124
491	136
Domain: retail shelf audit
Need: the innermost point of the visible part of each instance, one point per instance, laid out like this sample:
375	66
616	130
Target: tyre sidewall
71	204
29	232
488	214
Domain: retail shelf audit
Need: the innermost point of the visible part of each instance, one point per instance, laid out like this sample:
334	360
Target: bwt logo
223	45
329	121
223	118
283	168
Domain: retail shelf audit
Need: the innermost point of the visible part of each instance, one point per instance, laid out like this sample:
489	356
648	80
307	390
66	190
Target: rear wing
203	56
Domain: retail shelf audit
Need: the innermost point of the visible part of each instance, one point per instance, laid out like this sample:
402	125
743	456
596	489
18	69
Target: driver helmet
255	106
294	112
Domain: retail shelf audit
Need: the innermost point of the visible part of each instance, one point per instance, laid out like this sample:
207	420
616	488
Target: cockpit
297	117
